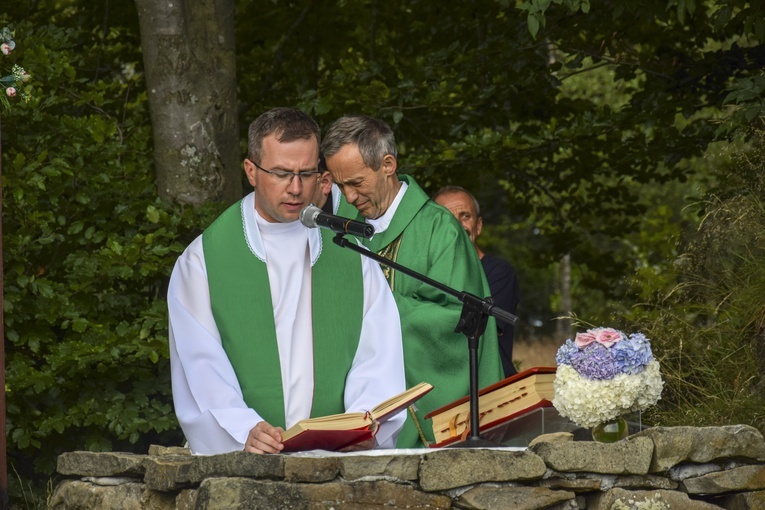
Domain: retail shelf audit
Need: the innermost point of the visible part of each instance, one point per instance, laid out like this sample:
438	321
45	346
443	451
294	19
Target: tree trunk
189	61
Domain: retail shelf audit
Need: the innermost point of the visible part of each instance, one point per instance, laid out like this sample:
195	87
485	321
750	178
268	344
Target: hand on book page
339	431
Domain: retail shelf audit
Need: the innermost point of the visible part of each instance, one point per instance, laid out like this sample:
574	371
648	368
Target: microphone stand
472	323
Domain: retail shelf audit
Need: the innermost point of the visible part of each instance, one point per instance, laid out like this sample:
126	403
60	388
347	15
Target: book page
346	421
359	420
401	400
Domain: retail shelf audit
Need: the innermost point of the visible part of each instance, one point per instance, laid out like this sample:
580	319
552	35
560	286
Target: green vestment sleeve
426	238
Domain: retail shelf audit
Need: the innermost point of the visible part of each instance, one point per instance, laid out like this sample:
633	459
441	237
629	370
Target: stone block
186	499
638	500
101	464
310	469
554	437
249	494
745	478
401	467
156	449
630	456
673	445
79	495
517	498
447	469
171	472
156	500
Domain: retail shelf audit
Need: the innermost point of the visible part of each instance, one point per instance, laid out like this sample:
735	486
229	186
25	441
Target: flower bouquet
603	374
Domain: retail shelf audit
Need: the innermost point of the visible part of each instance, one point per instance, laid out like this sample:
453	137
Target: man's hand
264	438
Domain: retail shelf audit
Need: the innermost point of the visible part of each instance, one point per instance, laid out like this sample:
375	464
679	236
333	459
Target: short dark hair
288	124
459	189
373	137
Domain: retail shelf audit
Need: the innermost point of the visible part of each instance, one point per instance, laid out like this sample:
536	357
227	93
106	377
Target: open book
500	402
337	431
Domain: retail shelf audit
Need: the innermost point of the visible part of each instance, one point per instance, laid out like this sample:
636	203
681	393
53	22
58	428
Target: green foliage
87	250
709	329
564	118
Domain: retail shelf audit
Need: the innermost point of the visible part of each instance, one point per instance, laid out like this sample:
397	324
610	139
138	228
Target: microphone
312	217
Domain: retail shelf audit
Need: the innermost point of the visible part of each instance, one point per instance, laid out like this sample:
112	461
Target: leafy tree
480	95
87	248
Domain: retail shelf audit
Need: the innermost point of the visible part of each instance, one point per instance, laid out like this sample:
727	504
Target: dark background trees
584	131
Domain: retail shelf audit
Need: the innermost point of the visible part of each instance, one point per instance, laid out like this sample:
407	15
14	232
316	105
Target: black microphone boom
312	217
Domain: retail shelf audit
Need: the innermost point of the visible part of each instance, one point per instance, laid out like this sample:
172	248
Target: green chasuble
426	238
240	297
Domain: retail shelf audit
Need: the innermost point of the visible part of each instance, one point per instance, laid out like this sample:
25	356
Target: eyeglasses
286	177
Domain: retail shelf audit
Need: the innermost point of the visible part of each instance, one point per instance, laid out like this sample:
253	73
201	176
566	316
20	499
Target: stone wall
658	468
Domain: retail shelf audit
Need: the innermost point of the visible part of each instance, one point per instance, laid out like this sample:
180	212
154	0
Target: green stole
240	296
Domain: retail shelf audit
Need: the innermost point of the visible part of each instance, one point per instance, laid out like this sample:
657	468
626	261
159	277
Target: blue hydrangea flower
595	362
565	352
632	354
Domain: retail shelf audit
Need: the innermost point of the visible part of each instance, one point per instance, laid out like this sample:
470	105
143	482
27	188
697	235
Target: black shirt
506	293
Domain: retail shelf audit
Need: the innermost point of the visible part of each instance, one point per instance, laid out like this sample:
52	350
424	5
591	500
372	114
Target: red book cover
337	431
331	440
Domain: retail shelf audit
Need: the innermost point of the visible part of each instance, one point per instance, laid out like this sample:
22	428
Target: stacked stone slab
658	468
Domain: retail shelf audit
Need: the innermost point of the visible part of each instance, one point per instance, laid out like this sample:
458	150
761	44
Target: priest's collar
251	222
383	222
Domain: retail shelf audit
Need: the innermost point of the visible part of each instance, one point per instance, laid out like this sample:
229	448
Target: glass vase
611	431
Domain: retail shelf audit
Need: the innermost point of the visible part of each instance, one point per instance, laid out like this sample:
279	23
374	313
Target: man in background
255	340
503	282
415	232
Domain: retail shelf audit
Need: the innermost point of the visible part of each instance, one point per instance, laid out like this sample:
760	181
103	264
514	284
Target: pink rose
10	91
5	48
607	336
582	340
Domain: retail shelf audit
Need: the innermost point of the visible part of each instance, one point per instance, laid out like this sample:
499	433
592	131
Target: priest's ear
325	183
251	171
389	165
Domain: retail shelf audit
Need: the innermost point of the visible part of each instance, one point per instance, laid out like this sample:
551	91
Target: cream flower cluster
589	402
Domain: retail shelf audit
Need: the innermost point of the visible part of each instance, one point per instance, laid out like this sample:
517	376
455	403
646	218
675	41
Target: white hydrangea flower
589	402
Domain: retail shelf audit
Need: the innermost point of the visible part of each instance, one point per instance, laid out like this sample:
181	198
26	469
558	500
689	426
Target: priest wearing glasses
270	321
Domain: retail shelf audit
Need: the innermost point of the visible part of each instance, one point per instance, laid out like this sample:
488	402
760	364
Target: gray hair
373	138
288	124
459	189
